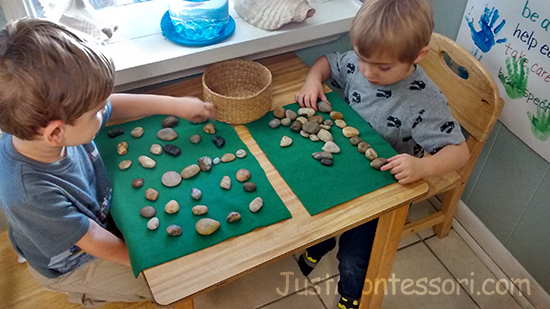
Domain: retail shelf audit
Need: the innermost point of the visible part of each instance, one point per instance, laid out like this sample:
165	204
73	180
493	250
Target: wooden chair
476	104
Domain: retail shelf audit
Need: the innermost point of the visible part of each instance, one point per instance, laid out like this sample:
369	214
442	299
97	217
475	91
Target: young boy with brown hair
55	95
383	83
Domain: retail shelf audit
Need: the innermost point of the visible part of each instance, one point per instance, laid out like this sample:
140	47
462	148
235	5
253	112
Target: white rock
286	141
306	111
331	147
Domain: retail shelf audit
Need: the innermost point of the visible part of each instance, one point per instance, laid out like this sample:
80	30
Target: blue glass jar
199	20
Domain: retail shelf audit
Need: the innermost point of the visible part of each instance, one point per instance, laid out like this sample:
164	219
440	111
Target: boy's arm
313	86
131	106
103	244
407	168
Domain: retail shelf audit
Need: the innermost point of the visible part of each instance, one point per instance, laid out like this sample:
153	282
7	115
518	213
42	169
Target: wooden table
196	273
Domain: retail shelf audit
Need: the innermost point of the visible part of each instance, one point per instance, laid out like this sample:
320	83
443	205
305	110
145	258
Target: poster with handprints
511	38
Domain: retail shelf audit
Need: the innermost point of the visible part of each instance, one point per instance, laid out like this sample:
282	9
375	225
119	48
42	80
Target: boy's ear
422	54
53	132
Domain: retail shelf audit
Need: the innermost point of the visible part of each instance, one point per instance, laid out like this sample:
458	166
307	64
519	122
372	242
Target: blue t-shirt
48	205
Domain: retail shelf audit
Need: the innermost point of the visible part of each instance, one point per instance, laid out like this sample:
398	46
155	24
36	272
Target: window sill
151	58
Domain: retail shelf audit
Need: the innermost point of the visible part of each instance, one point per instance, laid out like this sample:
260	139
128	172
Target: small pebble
205	163
171	179
216	160
286	141
147	162
172	207
123	165
328	122
249	186
225	183
371	154
304	134
195	139
148	212
167	134
350	131
314	138
153	224
286	122
306	111
137	132
241	153
233	216
319	155
199	210
326	162
151	194
196	194
228	157
156	149
122	148
170	121
311	127
325	135
256	204
279	112
331	147
218	141
291	114
190	171
378	163
243	175
363	146
317	118
174	230
172	150
324	126
207	226
275	123
340	123
296	126
336	115
115	132
324	107
209	129
355	140
137	183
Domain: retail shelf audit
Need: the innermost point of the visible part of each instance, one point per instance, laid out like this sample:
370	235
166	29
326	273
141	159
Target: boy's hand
405	168
195	110
309	94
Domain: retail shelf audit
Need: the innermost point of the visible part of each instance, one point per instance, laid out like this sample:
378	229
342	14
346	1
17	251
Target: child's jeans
354	252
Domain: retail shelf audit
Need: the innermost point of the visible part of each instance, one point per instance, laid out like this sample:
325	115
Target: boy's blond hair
48	73
400	28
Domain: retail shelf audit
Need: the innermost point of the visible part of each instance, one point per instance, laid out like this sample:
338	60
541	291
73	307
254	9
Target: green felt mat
317	186
150	248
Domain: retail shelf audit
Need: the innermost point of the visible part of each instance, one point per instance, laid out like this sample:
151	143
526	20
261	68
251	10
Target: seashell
271	15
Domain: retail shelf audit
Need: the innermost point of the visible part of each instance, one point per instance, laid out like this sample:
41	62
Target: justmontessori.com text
408	286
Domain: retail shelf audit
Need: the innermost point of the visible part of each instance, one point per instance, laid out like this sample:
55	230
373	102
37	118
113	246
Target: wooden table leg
386	241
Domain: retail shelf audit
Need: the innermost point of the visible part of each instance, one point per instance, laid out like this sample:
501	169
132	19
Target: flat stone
225	183
350	131
316	118
167	134
190	171
286	122
207	226
275	123
331	147
170	121
199	210
256	204
371	154
326	162
355	140
328	122
336	115
319	155
137	183
123	165
286	141
306	111
304	134
243	175
324	107
209	129
147	162
362	147
296	126
151	194
153	223
249	186
172	150
228	157
115	132
122	148
378	163
311	127
302	119
205	163
137	132
171	179
340	123
195	139
216	160
325	135
171	207
148	212
174	230
291	114
196	194
279	112
218	141
233	216
241	153
156	149
314	138
324	126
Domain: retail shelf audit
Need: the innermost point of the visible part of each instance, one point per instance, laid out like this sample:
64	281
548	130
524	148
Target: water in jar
199	20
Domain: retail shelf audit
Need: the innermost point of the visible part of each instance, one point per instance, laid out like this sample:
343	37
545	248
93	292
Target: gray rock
218	141
275	123
311	127
195	138
324	107
355	140
196	194
153	223
233	216
174	230
137	132
167	134
296	126
170	121
172	150
326	162
291	114
319	155
148	212
256	204
286	122
378	163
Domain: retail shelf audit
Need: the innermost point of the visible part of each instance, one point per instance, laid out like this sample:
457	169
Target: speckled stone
137	183
209	129
256	204
167	134
199	210
156	149
196	194
148	212
319	155
296	126
190	171
123	165
153	223
205	163
329	122
115	132
225	183
233	216
151	194
174	230
371	154
326	162
171	179
122	148
291	114
137	132
362	147
355	140
195	139
170	121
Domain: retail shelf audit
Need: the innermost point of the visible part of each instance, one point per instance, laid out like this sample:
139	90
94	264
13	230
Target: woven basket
240	90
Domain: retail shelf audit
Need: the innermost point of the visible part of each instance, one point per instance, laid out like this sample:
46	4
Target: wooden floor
18	289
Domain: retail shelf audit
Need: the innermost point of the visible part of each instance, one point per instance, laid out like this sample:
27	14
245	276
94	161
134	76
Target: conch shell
272	14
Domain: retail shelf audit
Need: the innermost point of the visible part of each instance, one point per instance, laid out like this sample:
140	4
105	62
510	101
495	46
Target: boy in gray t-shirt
55	95
383	83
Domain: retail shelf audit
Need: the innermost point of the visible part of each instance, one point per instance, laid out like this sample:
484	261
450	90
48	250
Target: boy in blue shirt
55	95
383	84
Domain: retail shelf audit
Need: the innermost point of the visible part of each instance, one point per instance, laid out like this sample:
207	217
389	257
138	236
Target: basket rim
263	67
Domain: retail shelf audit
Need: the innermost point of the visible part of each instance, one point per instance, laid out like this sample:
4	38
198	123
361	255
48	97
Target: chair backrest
474	102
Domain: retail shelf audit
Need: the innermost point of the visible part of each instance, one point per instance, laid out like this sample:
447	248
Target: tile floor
427	274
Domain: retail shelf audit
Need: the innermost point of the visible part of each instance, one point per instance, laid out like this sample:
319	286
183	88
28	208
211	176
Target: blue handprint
485	38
